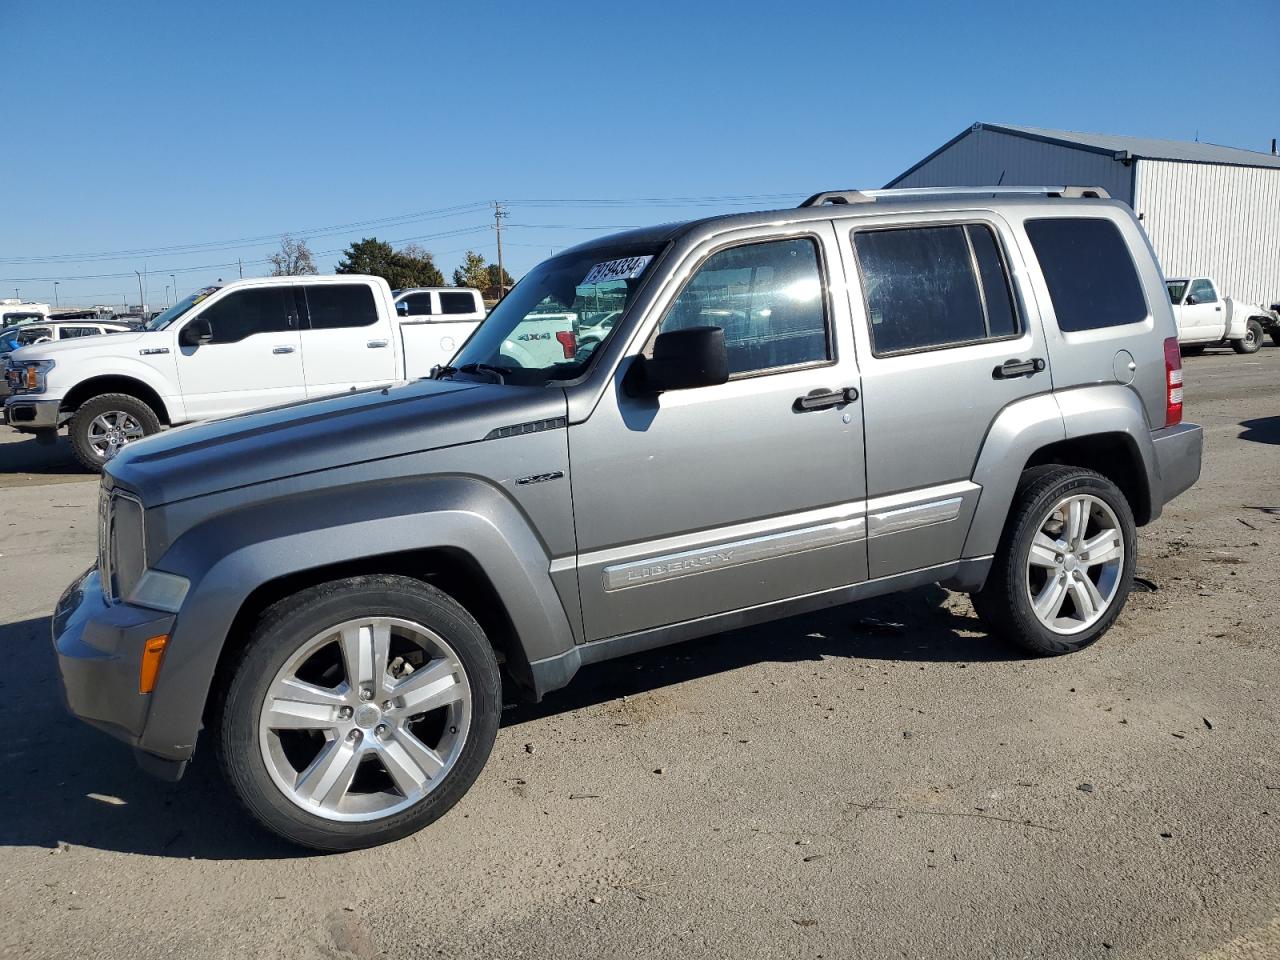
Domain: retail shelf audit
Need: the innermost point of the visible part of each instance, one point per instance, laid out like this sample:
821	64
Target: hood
101	345
318	435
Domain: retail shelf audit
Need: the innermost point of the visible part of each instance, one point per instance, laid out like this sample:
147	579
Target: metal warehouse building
1209	210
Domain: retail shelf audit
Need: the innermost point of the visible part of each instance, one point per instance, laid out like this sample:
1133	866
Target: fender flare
229	556
1024	427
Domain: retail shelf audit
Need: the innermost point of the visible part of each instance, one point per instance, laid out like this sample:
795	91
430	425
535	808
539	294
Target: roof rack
870	196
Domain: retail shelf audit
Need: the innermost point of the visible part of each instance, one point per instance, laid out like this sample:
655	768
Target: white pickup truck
223	350
1206	318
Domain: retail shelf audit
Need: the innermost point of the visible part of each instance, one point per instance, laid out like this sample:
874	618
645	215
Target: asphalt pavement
878	780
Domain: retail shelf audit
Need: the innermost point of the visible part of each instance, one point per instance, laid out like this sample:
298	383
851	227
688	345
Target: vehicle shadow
68	784
1261	430
913	626
29	455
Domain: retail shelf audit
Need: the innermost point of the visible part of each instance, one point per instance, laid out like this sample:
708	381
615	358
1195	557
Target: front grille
104	543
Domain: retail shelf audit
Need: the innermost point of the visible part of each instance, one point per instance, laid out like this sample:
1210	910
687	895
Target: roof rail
838	196
870	196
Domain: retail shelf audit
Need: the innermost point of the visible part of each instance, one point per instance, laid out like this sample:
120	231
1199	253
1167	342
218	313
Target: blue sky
158	125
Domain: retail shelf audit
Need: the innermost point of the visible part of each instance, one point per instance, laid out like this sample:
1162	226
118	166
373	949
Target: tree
411	266
507	282
473	272
293	260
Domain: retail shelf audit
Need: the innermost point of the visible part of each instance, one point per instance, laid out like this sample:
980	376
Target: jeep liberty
789	410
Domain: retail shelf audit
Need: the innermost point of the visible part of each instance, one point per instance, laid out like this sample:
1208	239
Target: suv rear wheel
1065	563
359	712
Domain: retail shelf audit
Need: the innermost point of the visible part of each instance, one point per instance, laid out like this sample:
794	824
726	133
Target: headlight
32	375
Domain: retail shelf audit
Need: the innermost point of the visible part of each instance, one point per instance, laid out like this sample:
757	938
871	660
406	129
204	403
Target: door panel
346	345
702	501
933	297
254	358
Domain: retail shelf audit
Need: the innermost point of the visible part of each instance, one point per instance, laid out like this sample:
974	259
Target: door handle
374	344
820	399
283	350
1017	368
1217	309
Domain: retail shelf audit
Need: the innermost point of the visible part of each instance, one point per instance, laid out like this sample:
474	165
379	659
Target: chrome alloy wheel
365	719
110	431
1075	564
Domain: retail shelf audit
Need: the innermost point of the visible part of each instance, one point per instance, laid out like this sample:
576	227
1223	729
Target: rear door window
334	306
414	305
457	302
932	287
1089	272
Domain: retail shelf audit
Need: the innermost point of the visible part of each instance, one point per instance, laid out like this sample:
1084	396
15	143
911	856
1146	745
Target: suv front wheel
1065	563
360	711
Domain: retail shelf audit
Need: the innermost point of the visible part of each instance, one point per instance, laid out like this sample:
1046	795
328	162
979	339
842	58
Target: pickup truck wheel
1065	563
359	712
1251	342
106	423
1275	337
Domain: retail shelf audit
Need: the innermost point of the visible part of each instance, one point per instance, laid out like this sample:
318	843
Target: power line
396	220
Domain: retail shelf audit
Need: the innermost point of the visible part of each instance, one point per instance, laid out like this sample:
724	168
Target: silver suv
786	411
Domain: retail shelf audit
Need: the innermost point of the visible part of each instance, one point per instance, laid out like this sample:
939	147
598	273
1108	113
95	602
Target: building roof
1139	147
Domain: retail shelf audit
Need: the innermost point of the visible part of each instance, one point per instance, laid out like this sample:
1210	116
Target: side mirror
195	333
684	359
1191	301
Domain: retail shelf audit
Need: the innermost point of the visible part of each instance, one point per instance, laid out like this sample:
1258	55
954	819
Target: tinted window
1002	318
920	288
28	335
245	313
1203	291
415	304
1090	275
768	299
335	305
457	303
1176	289
79	332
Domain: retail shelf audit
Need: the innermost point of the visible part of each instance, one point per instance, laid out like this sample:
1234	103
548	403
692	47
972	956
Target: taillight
1173	382
568	343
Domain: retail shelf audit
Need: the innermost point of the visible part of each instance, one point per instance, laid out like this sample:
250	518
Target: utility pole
240	261
166	296
142	301
55	292
175	287
498	214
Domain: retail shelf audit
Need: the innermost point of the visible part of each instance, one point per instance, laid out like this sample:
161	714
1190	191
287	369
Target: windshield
1176	289
549	326
162	320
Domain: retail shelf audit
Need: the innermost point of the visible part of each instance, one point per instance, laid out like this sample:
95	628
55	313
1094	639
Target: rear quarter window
1089	272
457	302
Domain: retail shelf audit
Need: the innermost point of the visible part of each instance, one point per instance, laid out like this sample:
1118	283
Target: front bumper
99	649
31	414
1178	453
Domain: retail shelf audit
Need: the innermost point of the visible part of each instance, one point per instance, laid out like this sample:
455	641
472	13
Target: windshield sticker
627	268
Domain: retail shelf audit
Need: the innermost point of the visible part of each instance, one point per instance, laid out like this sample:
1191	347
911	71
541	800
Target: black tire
1192	349
278	634
1004	603
1275	337
1251	342
106	403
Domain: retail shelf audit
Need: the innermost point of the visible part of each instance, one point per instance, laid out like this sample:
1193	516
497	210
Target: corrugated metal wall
980	157
1215	220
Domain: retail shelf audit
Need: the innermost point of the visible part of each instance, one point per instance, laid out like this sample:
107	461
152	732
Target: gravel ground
880	780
